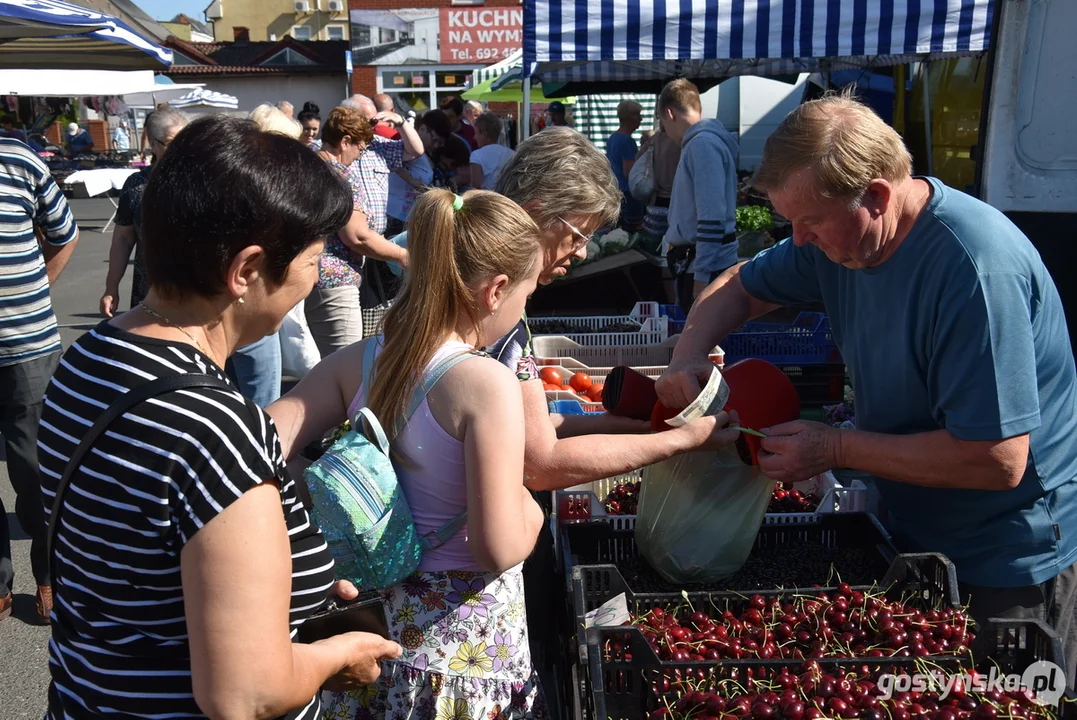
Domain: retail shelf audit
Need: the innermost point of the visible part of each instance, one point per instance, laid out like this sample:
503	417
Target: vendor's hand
799	450
710	432
682	382
363	653
108	305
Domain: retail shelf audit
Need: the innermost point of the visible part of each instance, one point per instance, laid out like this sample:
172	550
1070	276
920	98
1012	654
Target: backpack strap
432	378
131	398
373	430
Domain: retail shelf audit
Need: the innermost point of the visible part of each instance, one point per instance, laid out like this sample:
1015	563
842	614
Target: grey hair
561	173
356	101
159	122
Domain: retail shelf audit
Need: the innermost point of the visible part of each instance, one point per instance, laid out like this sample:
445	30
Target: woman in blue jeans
256	370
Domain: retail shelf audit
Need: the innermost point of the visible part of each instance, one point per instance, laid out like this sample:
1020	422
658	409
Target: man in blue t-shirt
621	151
956	342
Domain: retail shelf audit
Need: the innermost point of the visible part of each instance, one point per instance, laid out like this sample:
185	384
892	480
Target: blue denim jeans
256	370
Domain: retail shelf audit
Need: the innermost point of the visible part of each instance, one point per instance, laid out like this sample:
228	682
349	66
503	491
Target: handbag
358	501
641	182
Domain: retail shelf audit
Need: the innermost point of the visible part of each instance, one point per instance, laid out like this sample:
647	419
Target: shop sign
480	35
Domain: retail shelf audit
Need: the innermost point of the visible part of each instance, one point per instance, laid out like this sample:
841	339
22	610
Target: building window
360	36
335	32
301	32
421	89
287	56
386	35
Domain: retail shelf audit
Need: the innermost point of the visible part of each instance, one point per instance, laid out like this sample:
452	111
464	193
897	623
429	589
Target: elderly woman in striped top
185	559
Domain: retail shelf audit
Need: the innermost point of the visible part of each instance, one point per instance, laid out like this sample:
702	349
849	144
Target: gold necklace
165	320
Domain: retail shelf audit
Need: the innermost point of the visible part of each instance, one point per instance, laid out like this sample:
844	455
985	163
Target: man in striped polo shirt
37	236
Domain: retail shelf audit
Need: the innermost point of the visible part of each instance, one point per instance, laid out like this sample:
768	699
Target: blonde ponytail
450	252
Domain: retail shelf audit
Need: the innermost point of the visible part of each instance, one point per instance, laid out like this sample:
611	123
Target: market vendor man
955	339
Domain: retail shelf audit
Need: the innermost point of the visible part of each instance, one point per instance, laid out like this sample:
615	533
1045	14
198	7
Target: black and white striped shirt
159	473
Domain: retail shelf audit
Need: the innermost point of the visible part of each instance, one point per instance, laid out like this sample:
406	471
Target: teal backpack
358	503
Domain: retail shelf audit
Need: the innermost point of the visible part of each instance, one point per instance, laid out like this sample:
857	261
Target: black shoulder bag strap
128	400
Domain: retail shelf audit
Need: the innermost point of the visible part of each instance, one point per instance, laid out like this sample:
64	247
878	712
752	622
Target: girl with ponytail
461	617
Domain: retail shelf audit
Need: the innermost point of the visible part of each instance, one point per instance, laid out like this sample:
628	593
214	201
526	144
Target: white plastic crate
566	352
652	331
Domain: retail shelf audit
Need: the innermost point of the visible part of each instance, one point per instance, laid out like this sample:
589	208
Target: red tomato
580	382
595	392
552	376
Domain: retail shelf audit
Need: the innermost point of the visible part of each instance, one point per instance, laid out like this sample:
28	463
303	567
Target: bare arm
119	254
236	574
358	236
719	310
597	423
413	144
320	401
555	464
799	450
626	166
477	177
57	256
936	459
502	525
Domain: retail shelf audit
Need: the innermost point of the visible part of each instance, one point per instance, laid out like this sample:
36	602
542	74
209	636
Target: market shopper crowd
186	552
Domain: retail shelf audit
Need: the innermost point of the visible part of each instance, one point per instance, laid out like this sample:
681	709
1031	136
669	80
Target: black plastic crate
927	580
625	691
596	543
817	384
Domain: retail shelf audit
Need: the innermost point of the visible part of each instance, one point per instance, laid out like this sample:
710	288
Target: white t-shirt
401	194
491	159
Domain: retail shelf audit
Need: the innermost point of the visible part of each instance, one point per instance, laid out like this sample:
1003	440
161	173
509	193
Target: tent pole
525	121
926	74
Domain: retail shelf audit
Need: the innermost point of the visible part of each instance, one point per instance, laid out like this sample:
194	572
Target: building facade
423	51
297	71
271	20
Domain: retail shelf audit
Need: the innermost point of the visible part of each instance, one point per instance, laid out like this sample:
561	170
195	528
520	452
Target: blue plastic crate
566	407
807	340
676	316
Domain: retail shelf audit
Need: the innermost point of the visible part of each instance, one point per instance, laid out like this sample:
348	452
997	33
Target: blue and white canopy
53	35
206	98
626	40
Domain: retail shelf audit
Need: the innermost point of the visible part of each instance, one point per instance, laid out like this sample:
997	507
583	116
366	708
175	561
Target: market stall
820	609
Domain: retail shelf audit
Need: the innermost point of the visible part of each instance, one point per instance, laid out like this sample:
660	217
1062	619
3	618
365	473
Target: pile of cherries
623	499
788	500
845	624
813	693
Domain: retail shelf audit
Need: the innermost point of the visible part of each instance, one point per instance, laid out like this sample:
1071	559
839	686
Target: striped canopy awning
491	72
596	116
53	35
576	40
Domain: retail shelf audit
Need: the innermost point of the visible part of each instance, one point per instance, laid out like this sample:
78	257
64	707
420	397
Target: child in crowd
452	168
461	617
487	161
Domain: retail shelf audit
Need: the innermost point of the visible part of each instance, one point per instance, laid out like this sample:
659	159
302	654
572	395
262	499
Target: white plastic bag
699	513
298	351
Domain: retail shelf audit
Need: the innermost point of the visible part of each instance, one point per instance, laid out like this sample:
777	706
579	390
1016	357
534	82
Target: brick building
422	51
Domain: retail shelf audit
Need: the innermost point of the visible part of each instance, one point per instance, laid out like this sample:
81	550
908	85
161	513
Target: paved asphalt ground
24	672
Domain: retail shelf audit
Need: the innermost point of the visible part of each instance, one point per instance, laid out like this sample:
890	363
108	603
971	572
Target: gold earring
240	300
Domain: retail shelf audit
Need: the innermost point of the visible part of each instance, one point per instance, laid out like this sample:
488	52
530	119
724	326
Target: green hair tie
457	203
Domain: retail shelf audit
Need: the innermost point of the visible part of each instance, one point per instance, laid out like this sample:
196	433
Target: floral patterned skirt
466	653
